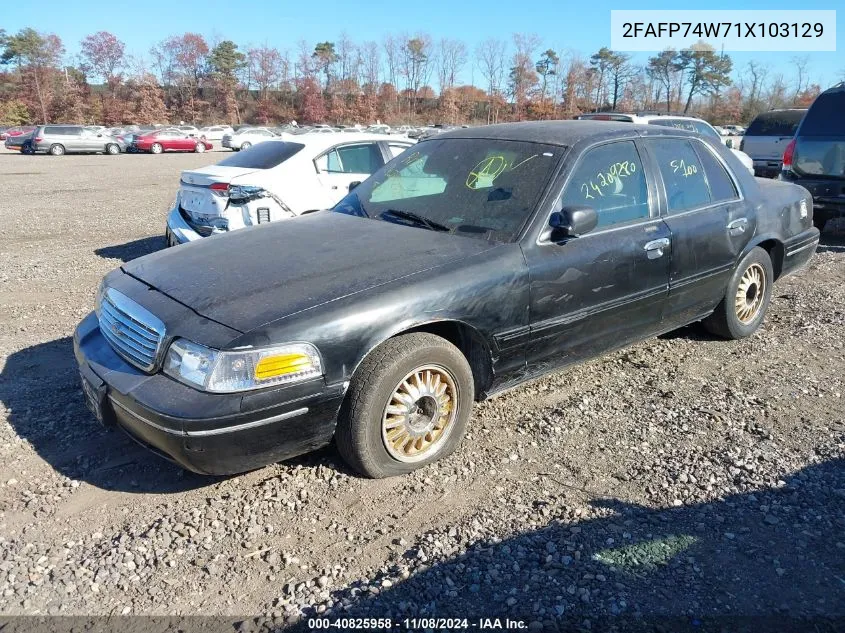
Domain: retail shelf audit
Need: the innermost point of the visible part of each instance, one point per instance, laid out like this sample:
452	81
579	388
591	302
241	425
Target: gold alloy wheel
420	413
750	293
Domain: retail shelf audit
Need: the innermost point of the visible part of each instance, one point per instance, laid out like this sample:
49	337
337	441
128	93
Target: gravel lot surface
684	477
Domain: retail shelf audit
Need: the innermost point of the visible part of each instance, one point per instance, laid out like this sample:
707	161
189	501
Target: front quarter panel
487	292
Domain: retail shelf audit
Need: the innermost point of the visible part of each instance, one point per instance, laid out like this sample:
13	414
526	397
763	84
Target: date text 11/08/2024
417	623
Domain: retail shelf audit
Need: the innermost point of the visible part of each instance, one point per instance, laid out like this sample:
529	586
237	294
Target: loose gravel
685	477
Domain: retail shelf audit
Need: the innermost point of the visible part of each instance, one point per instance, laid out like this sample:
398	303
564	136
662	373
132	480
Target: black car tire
156	148
113	149
57	149
359	435
245	145
199	148
726	320
819	223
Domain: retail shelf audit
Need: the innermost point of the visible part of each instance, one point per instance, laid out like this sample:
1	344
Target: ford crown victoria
470	263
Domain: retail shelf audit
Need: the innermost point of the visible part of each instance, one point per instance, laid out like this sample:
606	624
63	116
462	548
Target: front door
606	288
709	223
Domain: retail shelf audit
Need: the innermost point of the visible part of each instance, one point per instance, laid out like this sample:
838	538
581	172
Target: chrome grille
134	332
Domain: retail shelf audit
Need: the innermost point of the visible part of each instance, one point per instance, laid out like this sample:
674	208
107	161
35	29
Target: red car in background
16	131
168	141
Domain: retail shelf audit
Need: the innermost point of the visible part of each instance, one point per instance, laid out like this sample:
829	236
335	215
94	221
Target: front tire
156	148
199	148
245	145
407	406
57	150
743	309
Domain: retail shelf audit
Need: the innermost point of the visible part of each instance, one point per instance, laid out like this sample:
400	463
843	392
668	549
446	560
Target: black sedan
470	263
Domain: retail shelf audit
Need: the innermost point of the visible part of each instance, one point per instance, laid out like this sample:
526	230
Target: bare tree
490	55
371	64
451	58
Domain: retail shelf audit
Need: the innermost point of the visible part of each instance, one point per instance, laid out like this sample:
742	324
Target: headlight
242	370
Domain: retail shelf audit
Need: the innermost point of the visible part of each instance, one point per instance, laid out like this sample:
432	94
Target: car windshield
263	156
775	123
482	188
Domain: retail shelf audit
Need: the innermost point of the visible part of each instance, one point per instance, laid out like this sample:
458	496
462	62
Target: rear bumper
178	230
828	196
799	250
207	433
767	168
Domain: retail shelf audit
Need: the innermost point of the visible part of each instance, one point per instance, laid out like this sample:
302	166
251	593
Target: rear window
263	156
686	124
775	123
825	117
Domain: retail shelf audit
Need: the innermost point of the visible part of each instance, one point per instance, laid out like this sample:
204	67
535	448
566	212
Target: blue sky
580	26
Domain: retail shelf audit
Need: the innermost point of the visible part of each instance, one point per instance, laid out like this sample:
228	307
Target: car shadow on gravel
769	560
40	390
132	250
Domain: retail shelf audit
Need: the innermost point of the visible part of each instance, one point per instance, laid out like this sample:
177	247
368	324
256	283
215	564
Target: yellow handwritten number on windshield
685	170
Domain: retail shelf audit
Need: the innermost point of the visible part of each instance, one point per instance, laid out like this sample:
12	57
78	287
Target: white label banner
742	30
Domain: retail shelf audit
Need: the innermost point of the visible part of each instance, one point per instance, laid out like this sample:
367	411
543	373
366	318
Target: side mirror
573	221
354	184
99	135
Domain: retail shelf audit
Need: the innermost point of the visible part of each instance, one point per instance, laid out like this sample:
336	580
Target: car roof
317	142
565	133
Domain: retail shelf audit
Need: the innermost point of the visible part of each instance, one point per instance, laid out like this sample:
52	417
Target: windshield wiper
419	220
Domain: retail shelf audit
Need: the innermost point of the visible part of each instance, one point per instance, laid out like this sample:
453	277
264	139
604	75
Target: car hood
260	274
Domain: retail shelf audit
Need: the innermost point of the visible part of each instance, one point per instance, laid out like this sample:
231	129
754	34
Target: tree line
405	78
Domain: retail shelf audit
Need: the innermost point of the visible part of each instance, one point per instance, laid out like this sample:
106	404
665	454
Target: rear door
345	164
710	224
608	287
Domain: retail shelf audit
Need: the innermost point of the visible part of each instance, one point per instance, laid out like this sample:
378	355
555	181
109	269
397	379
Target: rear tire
246	145
156	148
743	309
819	223
407	406
199	148
113	149
57	150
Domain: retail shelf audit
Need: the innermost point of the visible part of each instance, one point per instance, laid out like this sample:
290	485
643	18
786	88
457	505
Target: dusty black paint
346	284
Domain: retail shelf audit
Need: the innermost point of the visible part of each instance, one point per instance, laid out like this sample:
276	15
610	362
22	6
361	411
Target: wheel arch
773	245
465	337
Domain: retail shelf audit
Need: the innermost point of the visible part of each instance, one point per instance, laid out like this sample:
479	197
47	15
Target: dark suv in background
767	137
815	158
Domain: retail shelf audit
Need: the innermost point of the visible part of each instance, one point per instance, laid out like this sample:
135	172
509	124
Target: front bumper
207	433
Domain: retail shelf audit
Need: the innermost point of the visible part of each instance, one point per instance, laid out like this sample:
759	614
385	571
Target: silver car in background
74	139
767	137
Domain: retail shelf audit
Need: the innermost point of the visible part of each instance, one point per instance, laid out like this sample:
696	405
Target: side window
610	179
396	148
360	159
683	175
329	162
720	183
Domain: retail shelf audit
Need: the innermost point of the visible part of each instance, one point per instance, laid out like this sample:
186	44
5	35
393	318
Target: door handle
334	186
738	226
654	248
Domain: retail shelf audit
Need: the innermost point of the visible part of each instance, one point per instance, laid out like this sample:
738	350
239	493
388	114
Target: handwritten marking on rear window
679	166
607	178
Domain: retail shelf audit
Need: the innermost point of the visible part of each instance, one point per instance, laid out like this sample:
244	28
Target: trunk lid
197	197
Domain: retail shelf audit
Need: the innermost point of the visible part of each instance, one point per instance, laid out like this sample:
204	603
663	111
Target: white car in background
215	132
679	121
247	137
275	180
